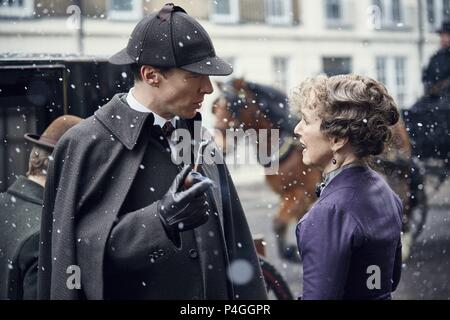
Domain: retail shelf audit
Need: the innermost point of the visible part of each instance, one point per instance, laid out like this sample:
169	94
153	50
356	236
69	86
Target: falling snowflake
240	272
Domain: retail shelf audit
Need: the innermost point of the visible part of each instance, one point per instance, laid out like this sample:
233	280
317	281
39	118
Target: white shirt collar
136	105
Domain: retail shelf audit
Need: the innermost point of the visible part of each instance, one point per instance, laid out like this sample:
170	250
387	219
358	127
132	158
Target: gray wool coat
94	166
20	216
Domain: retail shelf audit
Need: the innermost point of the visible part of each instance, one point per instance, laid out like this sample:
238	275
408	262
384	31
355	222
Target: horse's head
233	108
247	105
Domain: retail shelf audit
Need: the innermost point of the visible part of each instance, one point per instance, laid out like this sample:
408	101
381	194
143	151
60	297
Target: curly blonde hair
350	106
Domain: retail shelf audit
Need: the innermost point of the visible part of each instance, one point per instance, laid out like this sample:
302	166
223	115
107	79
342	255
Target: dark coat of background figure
20	216
438	70
436	82
125	254
355	224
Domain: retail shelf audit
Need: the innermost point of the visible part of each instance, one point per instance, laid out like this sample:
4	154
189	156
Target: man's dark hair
38	163
136	71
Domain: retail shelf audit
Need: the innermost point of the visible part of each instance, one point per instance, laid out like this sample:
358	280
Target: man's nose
207	87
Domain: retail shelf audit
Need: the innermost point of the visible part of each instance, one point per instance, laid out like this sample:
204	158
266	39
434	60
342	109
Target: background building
277	42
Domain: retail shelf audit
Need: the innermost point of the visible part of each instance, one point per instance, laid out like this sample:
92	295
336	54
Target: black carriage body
429	133
35	91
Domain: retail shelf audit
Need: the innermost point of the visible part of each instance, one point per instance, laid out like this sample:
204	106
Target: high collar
348	176
26	189
331	175
126	123
136	105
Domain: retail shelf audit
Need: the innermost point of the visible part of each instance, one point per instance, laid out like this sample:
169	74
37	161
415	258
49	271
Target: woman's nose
297	129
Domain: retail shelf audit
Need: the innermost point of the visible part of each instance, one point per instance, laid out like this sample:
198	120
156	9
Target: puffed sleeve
325	239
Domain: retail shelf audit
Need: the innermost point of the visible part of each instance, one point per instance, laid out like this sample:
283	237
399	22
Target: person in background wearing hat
436	76
118	221
20	208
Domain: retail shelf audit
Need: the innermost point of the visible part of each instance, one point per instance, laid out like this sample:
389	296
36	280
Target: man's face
182	92
445	40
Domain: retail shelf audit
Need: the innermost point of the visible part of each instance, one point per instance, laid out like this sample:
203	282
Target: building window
396	12
437	12
225	11
279	11
400	80
337	13
333	10
281	72
431	16
391	71
16	8
333	65
381	69
391	13
446	10
125	9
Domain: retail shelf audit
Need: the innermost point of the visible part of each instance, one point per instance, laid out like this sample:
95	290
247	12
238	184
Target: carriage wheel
418	216
275	283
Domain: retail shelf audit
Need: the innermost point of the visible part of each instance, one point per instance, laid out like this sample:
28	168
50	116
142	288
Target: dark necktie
168	129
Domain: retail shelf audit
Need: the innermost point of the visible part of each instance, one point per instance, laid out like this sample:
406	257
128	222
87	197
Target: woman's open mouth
303	145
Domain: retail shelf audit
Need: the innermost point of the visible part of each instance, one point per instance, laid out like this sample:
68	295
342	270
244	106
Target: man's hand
181	210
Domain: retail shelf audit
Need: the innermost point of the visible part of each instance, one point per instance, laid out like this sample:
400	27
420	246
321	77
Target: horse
248	105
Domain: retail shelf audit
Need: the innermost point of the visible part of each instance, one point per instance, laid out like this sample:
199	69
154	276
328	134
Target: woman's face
317	146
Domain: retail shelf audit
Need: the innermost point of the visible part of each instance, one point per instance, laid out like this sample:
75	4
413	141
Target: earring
334	161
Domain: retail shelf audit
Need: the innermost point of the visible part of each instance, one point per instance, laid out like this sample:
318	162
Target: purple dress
350	239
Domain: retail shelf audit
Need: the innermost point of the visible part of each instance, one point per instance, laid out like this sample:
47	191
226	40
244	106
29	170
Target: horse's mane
271	102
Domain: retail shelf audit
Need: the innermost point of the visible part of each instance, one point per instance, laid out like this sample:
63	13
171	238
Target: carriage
427	122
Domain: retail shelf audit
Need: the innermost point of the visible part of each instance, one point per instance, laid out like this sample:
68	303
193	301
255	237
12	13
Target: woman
350	239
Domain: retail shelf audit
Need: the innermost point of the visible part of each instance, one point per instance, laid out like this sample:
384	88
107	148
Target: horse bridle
236	100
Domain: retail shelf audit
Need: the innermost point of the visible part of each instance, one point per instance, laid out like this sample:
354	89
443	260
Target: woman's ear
338	143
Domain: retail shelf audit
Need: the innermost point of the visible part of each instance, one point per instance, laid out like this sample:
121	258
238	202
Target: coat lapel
122	121
212	172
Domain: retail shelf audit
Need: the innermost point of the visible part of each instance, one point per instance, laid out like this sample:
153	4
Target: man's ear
150	75
338	143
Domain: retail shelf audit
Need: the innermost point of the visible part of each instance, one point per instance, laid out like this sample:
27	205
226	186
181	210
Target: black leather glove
182	210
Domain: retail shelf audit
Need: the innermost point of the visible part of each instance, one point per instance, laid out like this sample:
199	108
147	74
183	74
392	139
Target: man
20	210
436	76
118	221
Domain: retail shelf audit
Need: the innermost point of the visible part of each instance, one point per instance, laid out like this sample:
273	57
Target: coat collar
349	177
125	123
28	190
